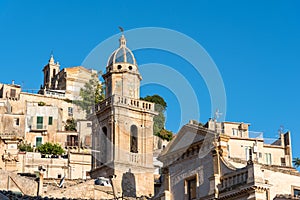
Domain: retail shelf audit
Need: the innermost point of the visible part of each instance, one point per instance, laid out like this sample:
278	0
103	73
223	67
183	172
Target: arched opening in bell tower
105	141
133	139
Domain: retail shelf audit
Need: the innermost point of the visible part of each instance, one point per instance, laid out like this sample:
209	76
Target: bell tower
123	136
50	70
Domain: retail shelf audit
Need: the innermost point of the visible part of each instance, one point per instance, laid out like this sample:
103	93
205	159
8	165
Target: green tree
160	119
23	146
49	148
296	162
70	125
165	134
91	94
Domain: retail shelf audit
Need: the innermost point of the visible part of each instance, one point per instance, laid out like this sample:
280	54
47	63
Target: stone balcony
117	100
134	158
11	136
233	180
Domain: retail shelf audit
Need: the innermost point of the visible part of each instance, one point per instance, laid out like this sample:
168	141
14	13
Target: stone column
223	142
41	182
166	183
215	179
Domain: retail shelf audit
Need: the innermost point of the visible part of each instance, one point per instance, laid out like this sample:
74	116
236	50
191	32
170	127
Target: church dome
122	54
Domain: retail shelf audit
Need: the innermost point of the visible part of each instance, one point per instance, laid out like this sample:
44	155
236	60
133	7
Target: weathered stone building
123	132
40	118
227	161
66	82
75	165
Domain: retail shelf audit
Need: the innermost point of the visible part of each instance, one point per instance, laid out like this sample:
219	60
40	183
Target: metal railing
38	127
72	143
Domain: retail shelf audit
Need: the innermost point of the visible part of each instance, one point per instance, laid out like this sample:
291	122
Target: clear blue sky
255	45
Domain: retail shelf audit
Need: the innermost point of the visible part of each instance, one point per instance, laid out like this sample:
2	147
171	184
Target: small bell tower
50	71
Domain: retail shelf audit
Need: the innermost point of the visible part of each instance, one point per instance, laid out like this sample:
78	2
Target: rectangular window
191	188
247	152
296	192
268	158
38	141
70	111
50	120
283	162
12	93
234	132
17	122
228	151
39	122
72	140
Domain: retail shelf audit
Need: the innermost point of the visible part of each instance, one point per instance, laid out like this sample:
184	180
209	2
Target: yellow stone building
123	132
40	118
224	160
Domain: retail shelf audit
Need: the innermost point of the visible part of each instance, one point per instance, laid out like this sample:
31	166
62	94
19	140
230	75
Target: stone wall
86	190
76	167
14	182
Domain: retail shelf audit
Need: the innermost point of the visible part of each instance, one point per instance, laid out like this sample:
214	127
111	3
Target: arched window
105	146
47	76
133	139
104	130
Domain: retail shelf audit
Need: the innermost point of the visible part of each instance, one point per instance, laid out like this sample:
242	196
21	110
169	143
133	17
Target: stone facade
40	118
9	151
13	182
123	128
76	165
216	162
65	83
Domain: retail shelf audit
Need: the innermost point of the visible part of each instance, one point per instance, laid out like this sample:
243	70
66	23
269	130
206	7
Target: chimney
13	82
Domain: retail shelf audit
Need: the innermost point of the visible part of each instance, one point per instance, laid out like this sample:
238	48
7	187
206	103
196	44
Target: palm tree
296	162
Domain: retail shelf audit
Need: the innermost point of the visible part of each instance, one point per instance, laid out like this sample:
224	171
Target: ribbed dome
122	54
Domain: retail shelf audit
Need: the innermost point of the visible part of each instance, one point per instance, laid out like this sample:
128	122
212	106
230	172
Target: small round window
130	67
119	66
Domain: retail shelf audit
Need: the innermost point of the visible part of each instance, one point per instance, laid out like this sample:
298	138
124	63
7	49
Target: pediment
188	135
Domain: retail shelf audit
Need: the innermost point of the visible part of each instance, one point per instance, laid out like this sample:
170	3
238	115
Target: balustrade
234	179
134	158
120	100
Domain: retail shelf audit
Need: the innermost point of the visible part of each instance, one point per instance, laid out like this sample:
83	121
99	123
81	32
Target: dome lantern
122	54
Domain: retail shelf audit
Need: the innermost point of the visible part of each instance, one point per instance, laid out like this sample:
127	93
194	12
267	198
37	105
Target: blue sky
255	45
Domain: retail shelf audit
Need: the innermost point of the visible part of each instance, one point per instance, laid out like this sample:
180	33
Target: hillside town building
39	118
65	83
224	160
216	160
